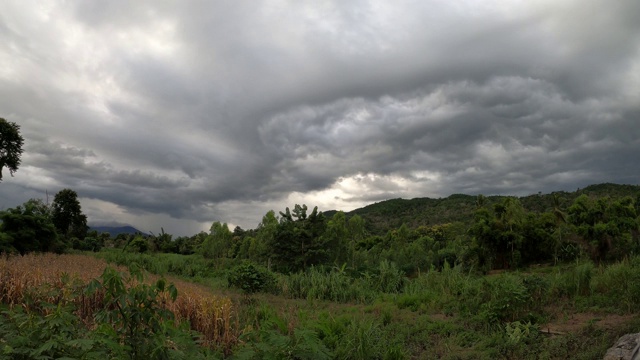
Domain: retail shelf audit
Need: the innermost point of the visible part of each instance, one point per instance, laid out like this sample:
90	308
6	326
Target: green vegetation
39	227
67	215
466	277
116	316
11	143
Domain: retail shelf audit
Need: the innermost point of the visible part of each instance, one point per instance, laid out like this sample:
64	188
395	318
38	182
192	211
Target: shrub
251	278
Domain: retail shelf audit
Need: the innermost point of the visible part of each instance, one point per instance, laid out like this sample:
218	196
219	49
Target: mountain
391	214
116	230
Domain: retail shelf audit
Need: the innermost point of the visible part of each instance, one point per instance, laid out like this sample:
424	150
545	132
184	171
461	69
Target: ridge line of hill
389	214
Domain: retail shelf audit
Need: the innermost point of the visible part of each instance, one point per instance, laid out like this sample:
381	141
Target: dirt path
574	323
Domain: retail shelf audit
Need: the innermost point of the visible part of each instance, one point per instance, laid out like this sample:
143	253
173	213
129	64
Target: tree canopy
10	146
28	228
67	215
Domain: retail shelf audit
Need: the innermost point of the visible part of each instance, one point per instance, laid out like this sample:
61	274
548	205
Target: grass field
575	311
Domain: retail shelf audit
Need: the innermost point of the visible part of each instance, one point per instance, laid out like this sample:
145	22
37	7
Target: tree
10	146
356	235
499	235
28	228
299	240
336	235
67	215
259	249
605	226
561	223
218	242
511	216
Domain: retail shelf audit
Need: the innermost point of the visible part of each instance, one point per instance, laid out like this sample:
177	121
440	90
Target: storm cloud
178	114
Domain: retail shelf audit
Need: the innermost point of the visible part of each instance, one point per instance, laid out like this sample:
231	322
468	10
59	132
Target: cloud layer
177	114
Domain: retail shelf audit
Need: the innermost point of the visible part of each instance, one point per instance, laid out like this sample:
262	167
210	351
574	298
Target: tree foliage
11	143
218	242
27	228
67	215
299	240
605	225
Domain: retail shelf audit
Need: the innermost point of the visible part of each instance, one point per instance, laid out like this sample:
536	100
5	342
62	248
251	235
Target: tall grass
333	285
485	301
337	285
618	285
182	265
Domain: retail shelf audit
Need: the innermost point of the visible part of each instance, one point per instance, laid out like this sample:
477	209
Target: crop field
31	281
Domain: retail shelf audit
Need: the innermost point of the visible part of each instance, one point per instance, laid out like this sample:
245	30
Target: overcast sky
176	114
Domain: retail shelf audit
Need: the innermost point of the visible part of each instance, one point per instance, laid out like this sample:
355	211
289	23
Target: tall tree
67	215
258	249
337	236
301	242
356	235
510	217
218	242
561	223
10	146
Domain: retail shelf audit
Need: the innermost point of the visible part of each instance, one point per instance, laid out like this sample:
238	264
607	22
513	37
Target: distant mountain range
116	230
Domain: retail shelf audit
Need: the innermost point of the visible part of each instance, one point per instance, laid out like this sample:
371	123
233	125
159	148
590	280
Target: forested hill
116	230
391	214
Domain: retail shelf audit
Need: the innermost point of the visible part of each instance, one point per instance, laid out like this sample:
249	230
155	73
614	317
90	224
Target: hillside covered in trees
385	215
599	222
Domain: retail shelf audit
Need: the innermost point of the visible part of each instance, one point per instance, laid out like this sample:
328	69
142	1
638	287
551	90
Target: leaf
161	284
173	292
46	347
93	286
82	344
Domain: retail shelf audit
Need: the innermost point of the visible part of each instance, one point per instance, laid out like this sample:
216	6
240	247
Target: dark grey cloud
182	113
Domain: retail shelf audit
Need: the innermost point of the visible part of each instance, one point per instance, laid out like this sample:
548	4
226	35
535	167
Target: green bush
251	278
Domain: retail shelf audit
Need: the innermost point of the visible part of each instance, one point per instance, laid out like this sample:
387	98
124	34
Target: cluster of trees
35	225
293	241
507	235
500	235
38	226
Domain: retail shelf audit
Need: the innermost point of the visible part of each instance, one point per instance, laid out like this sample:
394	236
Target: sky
176	114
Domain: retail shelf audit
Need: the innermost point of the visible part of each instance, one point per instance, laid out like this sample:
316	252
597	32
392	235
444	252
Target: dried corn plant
32	280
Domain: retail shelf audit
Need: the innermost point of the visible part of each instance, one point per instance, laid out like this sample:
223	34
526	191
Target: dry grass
32	280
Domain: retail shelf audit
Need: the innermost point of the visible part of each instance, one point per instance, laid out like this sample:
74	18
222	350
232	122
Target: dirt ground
574	323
